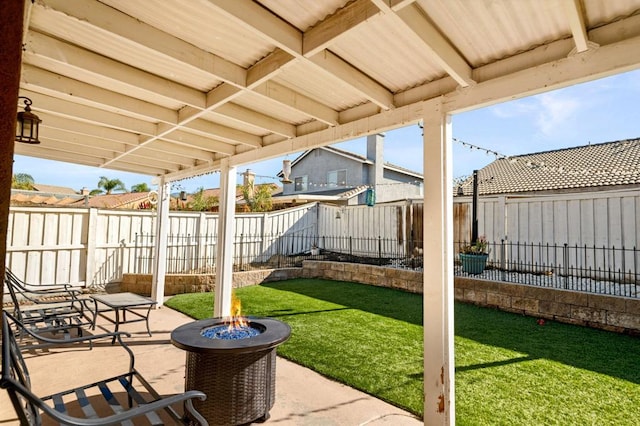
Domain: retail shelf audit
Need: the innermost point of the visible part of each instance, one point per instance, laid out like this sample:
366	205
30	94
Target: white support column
224	250
439	390
160	249
91	247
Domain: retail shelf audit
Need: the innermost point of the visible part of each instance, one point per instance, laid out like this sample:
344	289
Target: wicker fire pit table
237	375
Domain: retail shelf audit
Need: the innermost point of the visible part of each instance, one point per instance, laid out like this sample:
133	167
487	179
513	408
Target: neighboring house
584	195
336	176
45	195
124	200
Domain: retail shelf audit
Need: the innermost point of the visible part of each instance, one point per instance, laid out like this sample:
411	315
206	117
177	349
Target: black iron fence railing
602	270
188	254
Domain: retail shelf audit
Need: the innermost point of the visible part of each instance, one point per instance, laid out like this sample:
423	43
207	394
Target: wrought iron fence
602	270
196	255
591	269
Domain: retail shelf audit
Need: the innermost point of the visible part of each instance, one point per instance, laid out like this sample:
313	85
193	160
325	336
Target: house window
300	183
337	178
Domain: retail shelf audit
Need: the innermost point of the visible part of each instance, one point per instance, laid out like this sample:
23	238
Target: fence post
351	248
241	250
279	250
565	266
379	250
503	262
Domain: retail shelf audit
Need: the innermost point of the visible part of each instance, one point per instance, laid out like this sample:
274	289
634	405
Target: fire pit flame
236	326
236	320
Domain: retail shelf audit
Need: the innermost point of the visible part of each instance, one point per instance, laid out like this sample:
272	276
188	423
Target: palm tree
22	181
110	185
140	187
258	197
200	202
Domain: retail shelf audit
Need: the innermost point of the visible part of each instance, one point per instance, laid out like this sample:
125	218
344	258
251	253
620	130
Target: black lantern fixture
27	124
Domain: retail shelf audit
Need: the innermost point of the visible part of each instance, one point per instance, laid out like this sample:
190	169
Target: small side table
134	304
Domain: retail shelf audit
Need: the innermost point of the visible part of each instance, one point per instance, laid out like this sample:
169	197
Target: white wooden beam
66	59
575	16
195	141
287	38
365	85
172	148
439	48
224	249
224	133
263	23
101	18
90	95
268	67
321	36
296	101
72	110
246	116
603	62
438	290
59	140
160	249
50	121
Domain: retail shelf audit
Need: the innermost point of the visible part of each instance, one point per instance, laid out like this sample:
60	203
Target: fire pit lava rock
238	374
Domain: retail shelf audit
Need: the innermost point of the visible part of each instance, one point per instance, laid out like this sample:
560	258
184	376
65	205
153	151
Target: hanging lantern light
370	197
286	171
27	124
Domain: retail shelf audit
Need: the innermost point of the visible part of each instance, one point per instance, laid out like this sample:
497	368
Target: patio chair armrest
118	335
62	418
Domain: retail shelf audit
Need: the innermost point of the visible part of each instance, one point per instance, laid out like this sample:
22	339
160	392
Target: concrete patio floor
303	397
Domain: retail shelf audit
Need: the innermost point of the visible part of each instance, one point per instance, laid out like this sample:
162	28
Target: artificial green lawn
509	369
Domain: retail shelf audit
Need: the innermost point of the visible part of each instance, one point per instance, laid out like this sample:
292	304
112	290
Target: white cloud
554	110
518	108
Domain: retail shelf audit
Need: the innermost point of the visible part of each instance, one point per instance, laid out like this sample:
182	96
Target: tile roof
54	189
595	165
121	200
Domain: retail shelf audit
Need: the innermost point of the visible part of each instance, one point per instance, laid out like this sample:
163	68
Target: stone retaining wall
178	284
618	314
613	313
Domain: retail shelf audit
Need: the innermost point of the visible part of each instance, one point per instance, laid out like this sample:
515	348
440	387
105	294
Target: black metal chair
53	309
30	407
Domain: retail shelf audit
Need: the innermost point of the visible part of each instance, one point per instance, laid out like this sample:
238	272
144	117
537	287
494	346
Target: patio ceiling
172	87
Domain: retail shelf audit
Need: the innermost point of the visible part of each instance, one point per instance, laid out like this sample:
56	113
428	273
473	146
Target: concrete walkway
303	397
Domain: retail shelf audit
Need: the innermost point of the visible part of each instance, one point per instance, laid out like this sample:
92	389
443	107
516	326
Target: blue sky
599	111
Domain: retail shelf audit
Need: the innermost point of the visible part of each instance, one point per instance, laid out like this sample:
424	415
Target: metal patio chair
53	309
141	399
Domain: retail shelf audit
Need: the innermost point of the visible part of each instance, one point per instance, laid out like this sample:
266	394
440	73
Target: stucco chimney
84	191
248	178
375	145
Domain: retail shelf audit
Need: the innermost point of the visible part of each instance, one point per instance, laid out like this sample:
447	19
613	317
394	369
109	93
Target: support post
11	22
160	248
474	209
439	392
226	231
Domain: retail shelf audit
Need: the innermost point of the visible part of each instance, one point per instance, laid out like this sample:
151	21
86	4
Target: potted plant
474	256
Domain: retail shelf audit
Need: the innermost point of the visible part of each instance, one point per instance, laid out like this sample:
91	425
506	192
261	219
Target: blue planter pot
473	263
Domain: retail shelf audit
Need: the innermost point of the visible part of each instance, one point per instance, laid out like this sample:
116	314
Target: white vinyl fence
591	223
93	247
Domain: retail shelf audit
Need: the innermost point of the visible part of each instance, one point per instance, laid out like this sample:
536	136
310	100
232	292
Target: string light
479	148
